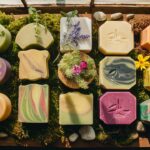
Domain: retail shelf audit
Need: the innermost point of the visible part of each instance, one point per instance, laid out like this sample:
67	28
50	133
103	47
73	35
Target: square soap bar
33	103
73	37
33	64
116	38
75	109
117	73
146	79
117	108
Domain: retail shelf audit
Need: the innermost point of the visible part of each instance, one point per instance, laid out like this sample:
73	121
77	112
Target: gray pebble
3	135
116	16
100	16
73	137
140	127
130	16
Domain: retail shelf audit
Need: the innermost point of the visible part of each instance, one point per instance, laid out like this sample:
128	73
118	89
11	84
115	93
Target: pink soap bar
117	108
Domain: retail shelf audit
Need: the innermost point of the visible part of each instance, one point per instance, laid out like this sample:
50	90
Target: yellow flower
143	62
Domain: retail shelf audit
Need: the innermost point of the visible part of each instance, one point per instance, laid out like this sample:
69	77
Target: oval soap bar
5	107
5	39
5	70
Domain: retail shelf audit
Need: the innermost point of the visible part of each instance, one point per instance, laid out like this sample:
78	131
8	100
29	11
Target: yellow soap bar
147	79
5	107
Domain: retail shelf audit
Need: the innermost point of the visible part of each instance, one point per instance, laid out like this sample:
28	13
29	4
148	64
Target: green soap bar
145	110
34	36
5	39
75	109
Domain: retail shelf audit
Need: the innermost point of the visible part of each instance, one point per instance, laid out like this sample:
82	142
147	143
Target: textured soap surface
5	107
33	64
5	70
117	108
146	79
5	39
117	72
145	36
33	103
75	109
27	38
86	29
116	38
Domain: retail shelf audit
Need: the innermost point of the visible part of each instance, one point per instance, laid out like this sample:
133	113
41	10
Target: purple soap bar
117	108
5	70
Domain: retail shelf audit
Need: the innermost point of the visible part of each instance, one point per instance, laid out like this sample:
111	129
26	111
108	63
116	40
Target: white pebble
140	127
130	16
100	16
73	137
116	16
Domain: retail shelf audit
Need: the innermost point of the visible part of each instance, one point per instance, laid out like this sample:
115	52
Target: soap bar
117	108
74	37
75	109
146	79
27	37
5	70
5	107
33	64
117	73
116	38
145	38
5	38
33	103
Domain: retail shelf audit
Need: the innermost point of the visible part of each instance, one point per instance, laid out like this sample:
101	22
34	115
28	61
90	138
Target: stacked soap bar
5	39
117	72
117	108
5	107
78	36
147	79
33	103
33	64
28	37
5	70
116	38
75	109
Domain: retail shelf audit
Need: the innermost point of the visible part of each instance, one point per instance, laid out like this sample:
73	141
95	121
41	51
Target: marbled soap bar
145	38
81	27
5	38
33	64
116	38
28	38
146	79
117	73
145	110
75	109
33	103
5	70
5	107
117	108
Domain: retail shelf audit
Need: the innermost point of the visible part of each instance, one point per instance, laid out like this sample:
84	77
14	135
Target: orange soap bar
145	38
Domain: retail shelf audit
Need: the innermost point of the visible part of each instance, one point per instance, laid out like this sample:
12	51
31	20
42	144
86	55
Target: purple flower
83	65
76	70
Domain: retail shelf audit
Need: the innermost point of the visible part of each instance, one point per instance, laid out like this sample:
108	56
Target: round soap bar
5	107
5	70
5	39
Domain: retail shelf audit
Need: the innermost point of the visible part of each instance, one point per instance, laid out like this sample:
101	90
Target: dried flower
83	65
76	70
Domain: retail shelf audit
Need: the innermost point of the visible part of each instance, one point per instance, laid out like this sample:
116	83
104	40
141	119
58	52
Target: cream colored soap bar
116	38
75	109
33	64
146	79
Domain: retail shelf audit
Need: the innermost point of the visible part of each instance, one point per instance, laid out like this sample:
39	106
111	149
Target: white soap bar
116	38
85	27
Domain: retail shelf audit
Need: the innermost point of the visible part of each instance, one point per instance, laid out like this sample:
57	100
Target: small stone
100	16
130	16
140	127
3	135
87	133
116	16
134	136
73	137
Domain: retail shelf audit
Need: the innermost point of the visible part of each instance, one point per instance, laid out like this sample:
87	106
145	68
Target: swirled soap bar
117	73
146	79
5	107
5	39
33	64
5	70
34	36
75	109
33	103
116	38
117	108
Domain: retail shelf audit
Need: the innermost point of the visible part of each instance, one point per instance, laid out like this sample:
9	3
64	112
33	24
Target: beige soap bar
33	64
146	79
116	38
